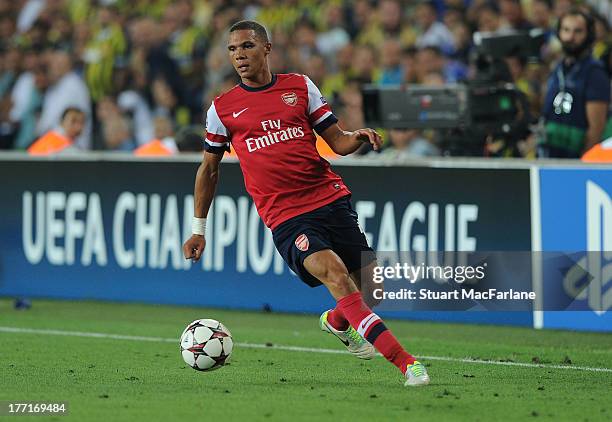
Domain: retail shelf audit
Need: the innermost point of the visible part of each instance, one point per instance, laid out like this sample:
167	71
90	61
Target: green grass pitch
113	379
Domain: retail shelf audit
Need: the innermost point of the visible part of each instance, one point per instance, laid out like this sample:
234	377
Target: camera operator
578	92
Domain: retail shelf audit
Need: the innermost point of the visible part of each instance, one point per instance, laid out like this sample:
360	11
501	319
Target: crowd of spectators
140	70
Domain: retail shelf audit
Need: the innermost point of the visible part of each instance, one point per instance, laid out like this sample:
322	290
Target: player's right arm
207	177
206	181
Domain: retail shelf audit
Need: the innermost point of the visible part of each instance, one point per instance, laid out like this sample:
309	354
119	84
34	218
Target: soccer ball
206	345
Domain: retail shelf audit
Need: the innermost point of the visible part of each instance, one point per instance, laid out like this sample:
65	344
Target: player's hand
194	247
369	136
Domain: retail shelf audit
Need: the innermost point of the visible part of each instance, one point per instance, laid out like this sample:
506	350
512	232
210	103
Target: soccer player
270	119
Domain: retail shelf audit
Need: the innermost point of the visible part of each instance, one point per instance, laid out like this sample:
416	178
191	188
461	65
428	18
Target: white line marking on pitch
286	348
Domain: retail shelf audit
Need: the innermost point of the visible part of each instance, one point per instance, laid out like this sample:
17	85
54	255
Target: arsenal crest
302	242
290	98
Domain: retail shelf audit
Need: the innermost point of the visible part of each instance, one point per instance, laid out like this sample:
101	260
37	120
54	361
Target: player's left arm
344	142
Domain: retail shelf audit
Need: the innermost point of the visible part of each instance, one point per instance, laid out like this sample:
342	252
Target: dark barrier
113	230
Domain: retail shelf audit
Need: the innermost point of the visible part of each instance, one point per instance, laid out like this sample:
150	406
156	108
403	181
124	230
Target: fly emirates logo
273	135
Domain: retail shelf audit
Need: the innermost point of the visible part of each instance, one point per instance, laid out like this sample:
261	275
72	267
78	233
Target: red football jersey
271	131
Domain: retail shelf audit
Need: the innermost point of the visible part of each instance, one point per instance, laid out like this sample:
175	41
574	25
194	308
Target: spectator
350	106
315	68
434	33
132	103
10	63
107	109
542	15
60	31
409	65
166	103
363	64
66	89
601	8
62	138
392	71
430	59
150	59
117	135
578	95
335	82
463	42
187	48
174	57
304	43
163	142
104	51
330	41
454	16
489	19
10	68
26	96
562	7
391	17
187	139
517	66
602	42
512	12
408	143
359	18
387	22
28	14
282	15
7	30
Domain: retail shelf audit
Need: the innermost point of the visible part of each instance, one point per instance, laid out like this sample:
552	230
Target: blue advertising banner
113	230
576	216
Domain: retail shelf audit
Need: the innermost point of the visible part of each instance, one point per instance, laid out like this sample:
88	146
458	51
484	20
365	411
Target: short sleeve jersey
271	129
586	80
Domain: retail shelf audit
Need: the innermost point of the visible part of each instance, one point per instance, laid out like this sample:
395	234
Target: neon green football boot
416	375
356	345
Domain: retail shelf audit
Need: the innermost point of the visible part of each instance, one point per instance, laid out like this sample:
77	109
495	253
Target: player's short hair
69	110
259	29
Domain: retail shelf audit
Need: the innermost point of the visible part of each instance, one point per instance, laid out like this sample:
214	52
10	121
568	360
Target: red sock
337	320
371	327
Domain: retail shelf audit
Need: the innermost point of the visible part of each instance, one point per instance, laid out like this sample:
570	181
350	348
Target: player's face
247	52
573	34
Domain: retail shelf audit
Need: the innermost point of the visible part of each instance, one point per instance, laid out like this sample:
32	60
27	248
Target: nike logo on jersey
239	113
